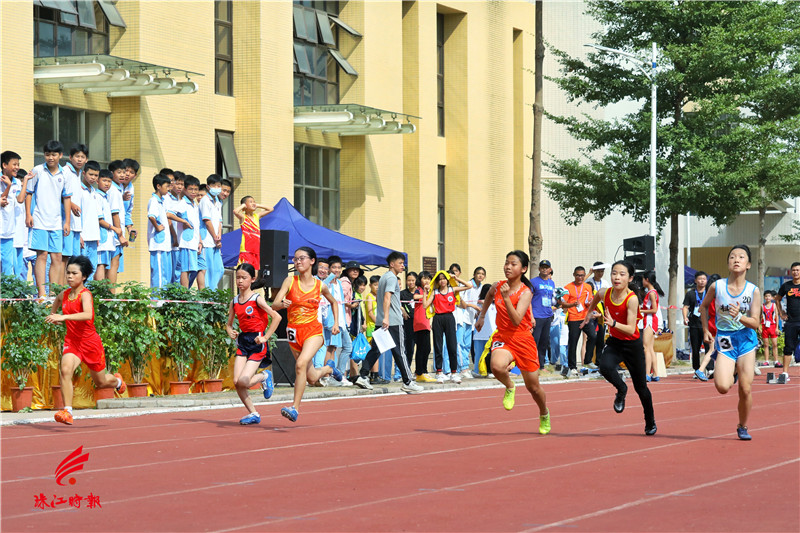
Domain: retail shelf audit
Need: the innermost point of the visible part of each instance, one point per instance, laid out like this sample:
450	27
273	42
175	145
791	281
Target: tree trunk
673	271
535	230
762	246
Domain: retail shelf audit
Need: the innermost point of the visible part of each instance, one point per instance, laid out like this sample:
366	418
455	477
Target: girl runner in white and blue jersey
738	304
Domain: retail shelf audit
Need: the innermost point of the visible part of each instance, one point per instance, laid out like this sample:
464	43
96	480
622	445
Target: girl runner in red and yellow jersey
513	340
300	295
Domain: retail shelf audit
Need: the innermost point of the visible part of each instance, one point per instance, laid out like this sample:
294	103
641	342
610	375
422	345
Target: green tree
710	55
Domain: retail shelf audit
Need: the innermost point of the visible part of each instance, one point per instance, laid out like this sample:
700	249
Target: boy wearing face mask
211	233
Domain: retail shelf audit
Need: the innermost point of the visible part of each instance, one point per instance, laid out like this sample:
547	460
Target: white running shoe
442	378
455	377
757	371
786	375
411	388
363	383
466	374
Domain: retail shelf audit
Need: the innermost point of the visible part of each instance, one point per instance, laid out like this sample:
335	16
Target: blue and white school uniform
734	339
105	246
189	237
71	245
90	213
8	222
158	242
48	190
20	238
209	211
128	204
173	205
117	207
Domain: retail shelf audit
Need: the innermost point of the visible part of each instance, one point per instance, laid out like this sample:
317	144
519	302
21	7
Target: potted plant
184	328
216	347
24	348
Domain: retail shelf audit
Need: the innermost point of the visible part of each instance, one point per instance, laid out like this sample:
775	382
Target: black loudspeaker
283	363
274	257
644	248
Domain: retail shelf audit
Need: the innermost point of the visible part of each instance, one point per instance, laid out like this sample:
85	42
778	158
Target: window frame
98	41
220	57
440	74
440	205
324	87
302	188
38	156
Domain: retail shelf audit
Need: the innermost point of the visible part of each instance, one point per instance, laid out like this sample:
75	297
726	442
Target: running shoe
442	378
741	432
757	371
455	377
778	364
619	400
508	398
122	387
648	378
466	374
591	366
699	374
565	372
252	418
425	378
64	416
544	423
786	376
411	388
381	381
650	429
337	374
656	378
267	385
363	383
290	413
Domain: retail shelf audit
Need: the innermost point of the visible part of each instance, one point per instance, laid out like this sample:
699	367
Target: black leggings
408	341
575	330
423	341
444	324
632	354
541	336
696	340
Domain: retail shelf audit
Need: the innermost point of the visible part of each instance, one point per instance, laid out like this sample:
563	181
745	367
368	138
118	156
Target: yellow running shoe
425	378
544	424
508	399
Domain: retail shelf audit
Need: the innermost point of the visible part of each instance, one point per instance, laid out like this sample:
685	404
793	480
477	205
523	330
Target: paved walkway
120	407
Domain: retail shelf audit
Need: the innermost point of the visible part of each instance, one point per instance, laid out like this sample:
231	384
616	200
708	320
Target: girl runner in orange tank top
82	343
513	340
624	344
300	295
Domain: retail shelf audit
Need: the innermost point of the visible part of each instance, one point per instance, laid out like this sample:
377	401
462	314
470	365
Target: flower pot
179	387
137	390
21	398
212	385
106	393
58	400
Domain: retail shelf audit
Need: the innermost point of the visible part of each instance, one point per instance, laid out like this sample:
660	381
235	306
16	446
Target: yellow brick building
459	72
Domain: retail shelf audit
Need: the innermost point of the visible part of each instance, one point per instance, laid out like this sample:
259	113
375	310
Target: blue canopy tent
303	232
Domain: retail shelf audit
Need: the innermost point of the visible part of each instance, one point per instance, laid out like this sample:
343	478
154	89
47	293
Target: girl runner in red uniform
254	314
82	343
301	294
513	340
624	344
650	325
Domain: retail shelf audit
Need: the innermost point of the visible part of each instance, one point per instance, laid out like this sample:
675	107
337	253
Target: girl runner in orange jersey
82	343
625	343
301	294
513	340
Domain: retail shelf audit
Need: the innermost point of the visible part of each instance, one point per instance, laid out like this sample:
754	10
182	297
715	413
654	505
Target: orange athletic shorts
298	334
523	348
90	351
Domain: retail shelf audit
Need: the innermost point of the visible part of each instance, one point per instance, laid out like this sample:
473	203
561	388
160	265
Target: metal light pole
651	75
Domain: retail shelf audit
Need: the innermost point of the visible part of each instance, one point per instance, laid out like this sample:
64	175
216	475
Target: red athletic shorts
523	348
250	257
89	350
298	334
770	332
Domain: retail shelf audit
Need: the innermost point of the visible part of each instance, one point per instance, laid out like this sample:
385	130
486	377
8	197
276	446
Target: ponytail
650	276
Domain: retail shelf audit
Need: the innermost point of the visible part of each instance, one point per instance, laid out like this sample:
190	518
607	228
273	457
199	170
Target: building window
440	207
316	71
223	39
440	73
63	33
228	167
71	126
316	184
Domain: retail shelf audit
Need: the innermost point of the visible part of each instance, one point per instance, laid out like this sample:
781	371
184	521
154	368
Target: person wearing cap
597	281
542	308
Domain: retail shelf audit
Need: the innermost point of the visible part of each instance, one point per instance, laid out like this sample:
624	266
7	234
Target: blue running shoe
290	413
648	378
337	374
252	418
699	374
656	378
742	433
267	384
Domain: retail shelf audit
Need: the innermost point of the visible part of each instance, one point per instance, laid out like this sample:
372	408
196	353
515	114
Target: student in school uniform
189	236
73	170
90	209
10	190
118	215
48	190
158	239
131	167
105	245
173	205
211	232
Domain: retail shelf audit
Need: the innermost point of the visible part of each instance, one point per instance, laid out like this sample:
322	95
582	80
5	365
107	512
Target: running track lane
446	462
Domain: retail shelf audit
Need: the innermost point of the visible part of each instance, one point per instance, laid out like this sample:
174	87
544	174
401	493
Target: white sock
68	409
119	383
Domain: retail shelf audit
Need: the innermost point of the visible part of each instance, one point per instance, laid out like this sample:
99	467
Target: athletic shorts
89	350
298	334
248	347
71	244
201	261
187	260
770	332
104	257
44	240
523	348
249	257
735	344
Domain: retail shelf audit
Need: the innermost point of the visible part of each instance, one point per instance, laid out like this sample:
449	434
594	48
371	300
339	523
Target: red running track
451	461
